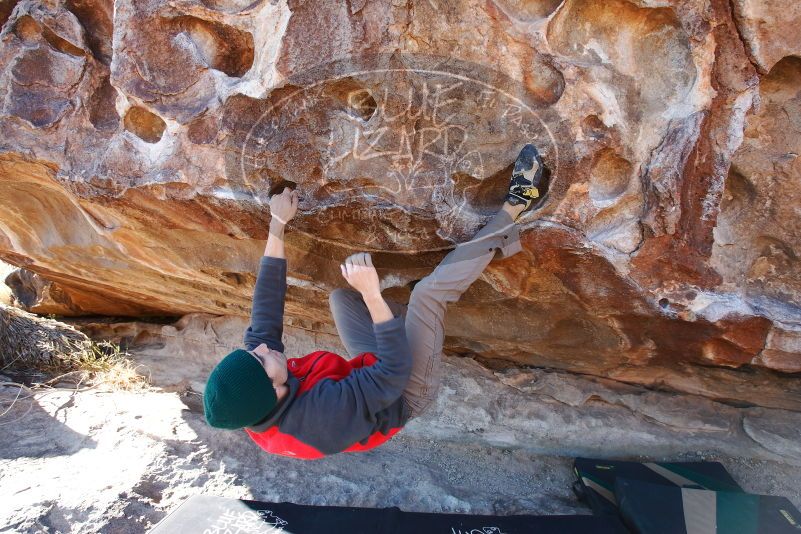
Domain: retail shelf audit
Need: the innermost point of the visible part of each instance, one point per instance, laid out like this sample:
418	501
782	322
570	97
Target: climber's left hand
284	205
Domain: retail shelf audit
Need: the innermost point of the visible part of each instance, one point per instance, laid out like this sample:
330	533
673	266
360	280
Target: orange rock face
140	141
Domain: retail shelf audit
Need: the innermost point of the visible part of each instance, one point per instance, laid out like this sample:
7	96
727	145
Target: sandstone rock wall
138	140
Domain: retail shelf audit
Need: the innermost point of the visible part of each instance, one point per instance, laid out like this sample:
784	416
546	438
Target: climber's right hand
359	272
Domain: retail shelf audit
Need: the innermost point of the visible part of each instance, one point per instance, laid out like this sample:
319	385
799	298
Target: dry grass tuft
32	345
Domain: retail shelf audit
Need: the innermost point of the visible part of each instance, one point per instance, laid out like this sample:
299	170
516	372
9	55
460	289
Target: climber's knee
424	285
341	296
423	299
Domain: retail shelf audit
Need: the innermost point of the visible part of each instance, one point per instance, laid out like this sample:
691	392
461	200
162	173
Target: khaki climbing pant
425	313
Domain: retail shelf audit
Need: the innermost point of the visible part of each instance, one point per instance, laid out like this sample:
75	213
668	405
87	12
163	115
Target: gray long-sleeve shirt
334	414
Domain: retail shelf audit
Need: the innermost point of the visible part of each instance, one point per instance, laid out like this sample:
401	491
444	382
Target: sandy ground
496	442
118	462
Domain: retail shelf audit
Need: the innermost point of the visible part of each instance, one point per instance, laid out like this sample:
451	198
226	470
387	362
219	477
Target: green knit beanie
238	393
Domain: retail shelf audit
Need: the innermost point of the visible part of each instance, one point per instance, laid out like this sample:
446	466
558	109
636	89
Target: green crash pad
595	482
649	508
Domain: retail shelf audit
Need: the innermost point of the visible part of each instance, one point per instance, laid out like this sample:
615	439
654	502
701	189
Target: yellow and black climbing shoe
530	180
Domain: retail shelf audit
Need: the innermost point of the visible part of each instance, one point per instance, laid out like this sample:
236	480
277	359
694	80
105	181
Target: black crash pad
204	514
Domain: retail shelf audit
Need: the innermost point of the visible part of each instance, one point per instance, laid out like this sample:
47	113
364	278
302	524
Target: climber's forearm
275	242
267	315
378	307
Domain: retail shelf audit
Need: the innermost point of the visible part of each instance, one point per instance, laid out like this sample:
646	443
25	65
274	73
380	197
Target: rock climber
321	404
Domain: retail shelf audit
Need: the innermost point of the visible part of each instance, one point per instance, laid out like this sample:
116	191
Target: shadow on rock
26	418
